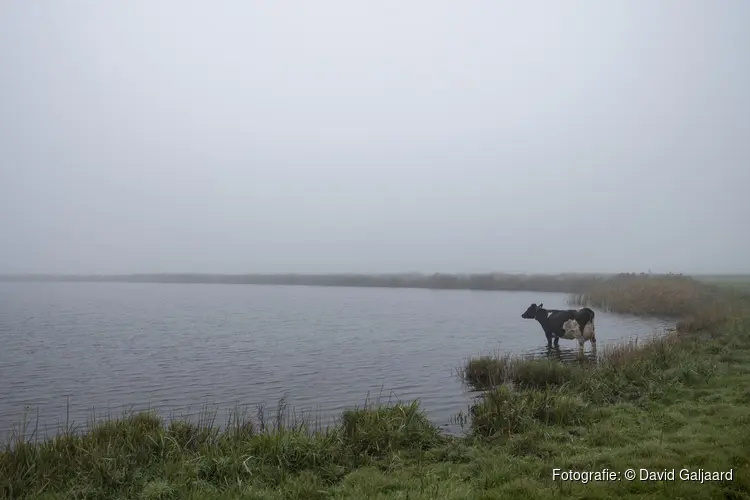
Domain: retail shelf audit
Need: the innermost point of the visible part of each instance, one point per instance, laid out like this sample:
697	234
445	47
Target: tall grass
377	431
503	412
487	371
126	453
697	305
648	295
532	390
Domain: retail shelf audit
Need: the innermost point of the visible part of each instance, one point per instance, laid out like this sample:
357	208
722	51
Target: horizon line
358	273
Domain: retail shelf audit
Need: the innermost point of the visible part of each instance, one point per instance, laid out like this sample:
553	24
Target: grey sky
335	136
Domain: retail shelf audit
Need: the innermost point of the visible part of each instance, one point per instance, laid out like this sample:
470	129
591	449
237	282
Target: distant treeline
567	283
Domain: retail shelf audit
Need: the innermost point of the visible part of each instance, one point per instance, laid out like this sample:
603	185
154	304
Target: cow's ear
540	305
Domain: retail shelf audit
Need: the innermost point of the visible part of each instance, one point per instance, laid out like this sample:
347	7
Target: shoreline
491	281
565	283
319	417
677	401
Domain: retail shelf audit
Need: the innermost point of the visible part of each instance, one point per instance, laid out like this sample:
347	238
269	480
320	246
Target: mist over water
175	347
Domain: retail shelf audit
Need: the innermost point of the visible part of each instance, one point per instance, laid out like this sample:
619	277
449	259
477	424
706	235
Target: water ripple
119	346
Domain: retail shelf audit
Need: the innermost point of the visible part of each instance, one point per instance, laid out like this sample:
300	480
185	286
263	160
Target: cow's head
532	311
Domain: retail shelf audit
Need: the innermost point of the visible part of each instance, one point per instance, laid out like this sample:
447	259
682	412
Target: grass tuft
381	429
488	371
505	412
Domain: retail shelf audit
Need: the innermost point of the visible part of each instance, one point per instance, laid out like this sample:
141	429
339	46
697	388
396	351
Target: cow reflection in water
564	355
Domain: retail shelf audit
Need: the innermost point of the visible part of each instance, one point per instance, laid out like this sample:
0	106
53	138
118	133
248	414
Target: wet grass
143	455
633	372
487	371
674	401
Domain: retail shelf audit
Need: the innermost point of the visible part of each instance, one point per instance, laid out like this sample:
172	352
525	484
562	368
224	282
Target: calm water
111	347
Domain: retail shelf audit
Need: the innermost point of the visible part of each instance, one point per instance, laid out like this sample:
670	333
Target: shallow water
110	347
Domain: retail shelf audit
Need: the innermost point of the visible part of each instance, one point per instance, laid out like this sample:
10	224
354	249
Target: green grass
485	372
677	401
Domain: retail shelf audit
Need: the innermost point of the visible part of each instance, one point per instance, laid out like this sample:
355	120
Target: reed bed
649	295
695	305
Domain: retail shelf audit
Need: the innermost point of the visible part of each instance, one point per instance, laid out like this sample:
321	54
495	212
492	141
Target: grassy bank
670	402
678	401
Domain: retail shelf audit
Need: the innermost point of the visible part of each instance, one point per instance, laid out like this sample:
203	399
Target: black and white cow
569	324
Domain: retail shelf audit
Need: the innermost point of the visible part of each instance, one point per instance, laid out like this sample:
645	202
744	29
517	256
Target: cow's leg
557	341
589	333
580	336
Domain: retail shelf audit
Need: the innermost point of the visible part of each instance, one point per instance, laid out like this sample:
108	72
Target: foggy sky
353	136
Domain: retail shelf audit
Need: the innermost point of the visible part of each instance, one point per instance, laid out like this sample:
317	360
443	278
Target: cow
566	323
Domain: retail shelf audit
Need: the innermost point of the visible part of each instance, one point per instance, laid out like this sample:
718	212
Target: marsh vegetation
673	401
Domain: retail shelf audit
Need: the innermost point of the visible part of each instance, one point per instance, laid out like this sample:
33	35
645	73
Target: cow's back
559	318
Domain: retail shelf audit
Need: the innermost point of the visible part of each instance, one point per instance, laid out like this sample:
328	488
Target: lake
110	347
